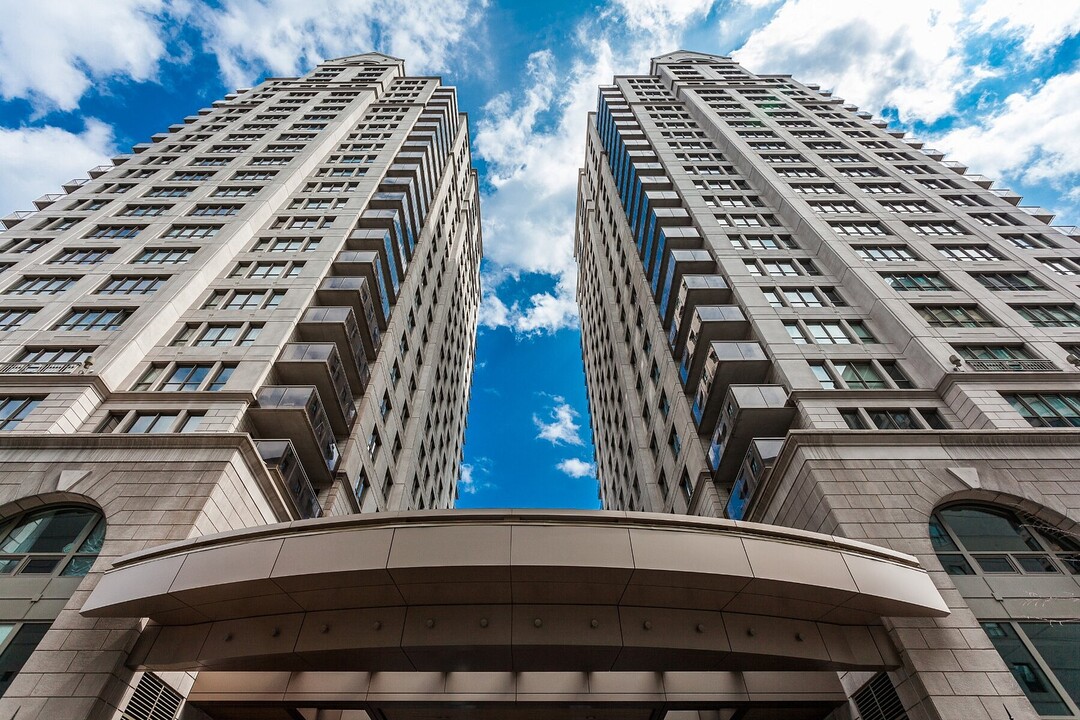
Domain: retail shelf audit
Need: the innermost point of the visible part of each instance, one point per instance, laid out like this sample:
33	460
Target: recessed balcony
669	239
353	292
680	264
296	413
338	325
756	466
709	323
284	465
694	290
320	365
726	363
749	411
367	264
383	242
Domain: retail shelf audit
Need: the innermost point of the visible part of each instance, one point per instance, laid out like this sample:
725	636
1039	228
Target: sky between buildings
995	84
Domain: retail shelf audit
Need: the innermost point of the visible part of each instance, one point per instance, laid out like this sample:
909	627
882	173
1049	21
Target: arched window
48	547
982	540
52	541
993	542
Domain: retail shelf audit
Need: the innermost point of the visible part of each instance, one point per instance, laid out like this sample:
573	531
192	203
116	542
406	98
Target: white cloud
1040	24
906	55
36	161
467	483
576	468
1032	137
52	50
474	476
561	427
287	37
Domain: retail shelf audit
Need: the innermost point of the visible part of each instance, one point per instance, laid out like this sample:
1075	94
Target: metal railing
43	368
1012	365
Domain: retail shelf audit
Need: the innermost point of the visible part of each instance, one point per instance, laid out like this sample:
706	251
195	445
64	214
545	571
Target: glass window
1047	410
1027	671
14	410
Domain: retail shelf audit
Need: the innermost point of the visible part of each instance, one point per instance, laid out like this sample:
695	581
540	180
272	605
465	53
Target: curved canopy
516	591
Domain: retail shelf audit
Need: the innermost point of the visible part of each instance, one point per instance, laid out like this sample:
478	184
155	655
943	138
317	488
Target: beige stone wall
882	490
152	490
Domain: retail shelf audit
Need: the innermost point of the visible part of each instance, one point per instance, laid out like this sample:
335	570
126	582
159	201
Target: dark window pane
995	563
983	529
40	566
79	566
955	565
1024	668
18	651
48	531
939	538
1036	563
1058	643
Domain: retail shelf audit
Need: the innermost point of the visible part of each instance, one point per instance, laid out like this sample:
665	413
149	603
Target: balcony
1041	214
726	363
1071	231
680	264
46	200
369	265
709	323
981	180
957	167
98	171
296	413
43	368
1012	366
384	243
320	365
749	411
338	325
669	239
1008	195
353	292
756	466
72	185
141	147
694	290
284	464
13	219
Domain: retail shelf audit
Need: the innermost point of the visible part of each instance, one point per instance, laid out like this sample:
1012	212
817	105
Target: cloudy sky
995	84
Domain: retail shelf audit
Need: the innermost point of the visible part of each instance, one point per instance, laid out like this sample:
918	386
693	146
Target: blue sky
992	83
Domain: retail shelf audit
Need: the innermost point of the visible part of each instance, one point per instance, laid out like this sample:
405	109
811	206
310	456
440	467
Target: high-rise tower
792	315
268	313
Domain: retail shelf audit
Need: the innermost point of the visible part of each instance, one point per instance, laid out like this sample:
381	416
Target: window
943	228
1005	282
153	423
836	206
168	192
885	253
62	541
893	419
13	318
37	359
115	231
762	242
1047	410
859	229
94	319
143	210
976	253
164	256
859	375
238	192
192	231
1036	652
42	285
132	285
955	316
267	270
215	210
922	282
81	256
1062	266
1049	315
244	299
1030	241
14	410
883	188
907	206
218	335
185	377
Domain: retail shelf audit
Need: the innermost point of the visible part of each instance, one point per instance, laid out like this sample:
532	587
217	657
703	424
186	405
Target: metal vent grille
877	700
152	700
